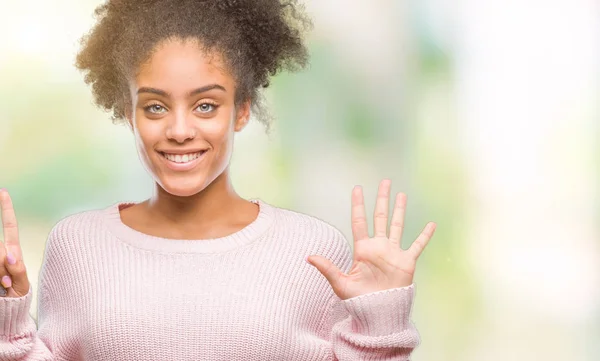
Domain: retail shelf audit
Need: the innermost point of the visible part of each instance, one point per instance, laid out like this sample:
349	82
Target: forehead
180	65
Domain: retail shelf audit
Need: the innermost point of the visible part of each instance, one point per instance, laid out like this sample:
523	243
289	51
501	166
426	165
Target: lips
181	151
183	162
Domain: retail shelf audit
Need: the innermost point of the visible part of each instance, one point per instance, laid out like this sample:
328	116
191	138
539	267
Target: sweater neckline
149	242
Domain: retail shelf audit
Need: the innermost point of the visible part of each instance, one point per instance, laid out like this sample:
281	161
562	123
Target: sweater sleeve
373	326
20	338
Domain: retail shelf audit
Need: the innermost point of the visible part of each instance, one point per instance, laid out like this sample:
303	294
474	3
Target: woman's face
183	116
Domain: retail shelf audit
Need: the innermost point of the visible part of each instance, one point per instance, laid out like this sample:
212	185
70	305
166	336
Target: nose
181	127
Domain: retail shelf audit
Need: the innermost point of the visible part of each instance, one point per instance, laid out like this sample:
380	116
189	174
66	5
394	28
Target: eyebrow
193	92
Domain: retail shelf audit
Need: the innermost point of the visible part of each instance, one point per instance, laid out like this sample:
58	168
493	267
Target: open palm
379	262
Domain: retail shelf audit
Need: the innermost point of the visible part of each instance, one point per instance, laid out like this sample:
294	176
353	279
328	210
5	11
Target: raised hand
379	261
13	274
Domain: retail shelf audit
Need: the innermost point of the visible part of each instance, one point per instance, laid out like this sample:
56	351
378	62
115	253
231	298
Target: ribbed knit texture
109	292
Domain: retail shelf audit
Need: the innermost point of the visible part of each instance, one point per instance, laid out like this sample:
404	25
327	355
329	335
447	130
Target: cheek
145	138
217	134
148	133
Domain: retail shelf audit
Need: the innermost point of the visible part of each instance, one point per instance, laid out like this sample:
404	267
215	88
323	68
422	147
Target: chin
180	188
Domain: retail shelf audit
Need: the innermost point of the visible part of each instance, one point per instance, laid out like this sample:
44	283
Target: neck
211	204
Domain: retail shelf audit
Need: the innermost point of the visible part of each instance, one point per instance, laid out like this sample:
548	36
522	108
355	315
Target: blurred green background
484	114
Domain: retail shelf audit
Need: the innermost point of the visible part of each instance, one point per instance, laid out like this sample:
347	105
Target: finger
327	269
11	257
6	281
419	244
18	277
360	228
397	224
2	248
380	217
4	273
3	270
9	225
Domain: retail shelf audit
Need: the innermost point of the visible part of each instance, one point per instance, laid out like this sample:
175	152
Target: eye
154	108
206	107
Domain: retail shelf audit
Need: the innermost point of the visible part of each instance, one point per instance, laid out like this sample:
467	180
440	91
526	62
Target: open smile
182	162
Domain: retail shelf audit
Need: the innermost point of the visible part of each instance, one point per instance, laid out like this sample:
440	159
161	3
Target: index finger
9	222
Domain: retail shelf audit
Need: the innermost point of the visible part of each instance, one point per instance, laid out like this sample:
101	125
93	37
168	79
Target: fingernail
306	259
6	281
11	259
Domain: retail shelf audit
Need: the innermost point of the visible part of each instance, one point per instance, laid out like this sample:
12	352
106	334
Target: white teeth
178	158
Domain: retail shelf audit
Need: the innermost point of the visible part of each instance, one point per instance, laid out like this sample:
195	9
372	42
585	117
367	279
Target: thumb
327	269
16	268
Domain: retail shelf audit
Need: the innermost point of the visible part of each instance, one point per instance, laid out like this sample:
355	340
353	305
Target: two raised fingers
380	218
12	269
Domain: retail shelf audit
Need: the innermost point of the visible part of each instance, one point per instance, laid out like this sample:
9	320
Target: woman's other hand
13	274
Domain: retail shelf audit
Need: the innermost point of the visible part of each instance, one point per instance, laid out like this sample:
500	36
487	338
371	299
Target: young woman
196	272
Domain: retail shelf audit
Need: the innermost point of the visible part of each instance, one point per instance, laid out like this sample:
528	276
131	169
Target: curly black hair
257	38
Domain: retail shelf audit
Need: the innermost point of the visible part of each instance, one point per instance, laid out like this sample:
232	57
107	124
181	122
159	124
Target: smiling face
184	116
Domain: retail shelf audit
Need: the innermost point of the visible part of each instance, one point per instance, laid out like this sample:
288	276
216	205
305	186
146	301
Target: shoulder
312	231
67	243
74	227
310	226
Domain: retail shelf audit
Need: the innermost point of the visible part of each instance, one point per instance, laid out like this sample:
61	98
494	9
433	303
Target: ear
242	115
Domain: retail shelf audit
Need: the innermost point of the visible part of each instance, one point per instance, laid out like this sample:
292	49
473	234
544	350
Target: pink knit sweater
109	292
